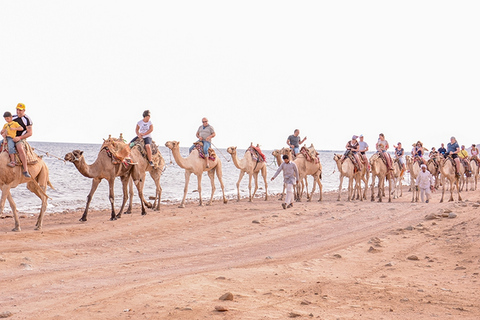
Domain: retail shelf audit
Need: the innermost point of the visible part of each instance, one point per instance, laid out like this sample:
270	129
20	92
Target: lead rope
228	160
50	155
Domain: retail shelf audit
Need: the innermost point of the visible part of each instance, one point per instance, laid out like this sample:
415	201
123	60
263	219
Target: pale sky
256	69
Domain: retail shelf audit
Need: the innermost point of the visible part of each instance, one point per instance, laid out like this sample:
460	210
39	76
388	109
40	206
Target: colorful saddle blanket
199	147
257	154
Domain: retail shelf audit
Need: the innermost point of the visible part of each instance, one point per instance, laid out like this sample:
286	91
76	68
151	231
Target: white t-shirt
144	127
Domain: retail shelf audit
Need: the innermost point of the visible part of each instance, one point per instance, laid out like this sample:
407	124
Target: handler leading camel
290	177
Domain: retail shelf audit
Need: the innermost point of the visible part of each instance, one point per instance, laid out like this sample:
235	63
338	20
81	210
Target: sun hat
20	106
354	137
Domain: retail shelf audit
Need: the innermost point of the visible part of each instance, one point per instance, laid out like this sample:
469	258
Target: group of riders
460	155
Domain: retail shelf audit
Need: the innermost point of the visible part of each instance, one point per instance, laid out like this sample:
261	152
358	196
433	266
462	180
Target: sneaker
151	163
26	174
11	164
290	205
284	205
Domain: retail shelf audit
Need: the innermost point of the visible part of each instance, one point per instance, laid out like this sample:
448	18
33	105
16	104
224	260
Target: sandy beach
317	260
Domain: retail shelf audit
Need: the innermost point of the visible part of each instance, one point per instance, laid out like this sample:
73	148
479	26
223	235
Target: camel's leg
211	175
390	183
158	193
381	185
130	197
372	187
139	180
250	187
111	197
95	183
39	191
218	169
283	192
7	195
458	192
185	189
443	189
309	197
199	188
126	182
255	178
320	187
240	177
340	187
264	175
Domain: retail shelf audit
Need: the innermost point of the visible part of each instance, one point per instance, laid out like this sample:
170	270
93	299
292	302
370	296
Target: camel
447	170
433	167
12	177
347	169
106	167
252	167
305	168
474	167
196	165
414	168
379	170
398	174
155	173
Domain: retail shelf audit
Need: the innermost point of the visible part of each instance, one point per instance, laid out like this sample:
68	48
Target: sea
72	188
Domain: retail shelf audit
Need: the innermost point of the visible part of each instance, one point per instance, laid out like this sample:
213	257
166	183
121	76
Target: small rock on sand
226	296
256	221
221	308
413	258
451	215
5	314
294	315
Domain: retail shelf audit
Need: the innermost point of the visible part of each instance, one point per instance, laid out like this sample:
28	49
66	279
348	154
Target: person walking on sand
294	141
205	133
27	124
290	178
144	130
9	132
424	183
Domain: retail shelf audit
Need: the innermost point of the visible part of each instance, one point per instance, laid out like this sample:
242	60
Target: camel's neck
279	159
181	161
85	169
237	162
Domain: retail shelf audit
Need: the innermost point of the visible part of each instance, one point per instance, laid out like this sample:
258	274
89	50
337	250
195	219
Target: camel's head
73	156
286	151
172	144
276	152
336	157
232	150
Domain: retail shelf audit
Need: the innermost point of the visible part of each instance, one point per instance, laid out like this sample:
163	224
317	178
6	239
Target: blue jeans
206	146
295	150
11	145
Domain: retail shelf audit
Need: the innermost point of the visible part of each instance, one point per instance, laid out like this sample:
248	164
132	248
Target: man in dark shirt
442	150
23	120
294	141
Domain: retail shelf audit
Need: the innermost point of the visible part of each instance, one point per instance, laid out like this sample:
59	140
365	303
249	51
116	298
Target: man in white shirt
424	182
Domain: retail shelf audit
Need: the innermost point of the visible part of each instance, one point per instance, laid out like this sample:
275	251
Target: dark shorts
454	155
147	140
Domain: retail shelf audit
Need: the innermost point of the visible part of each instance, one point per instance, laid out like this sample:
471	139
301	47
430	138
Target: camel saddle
157	158
434	161
118	150
311	156
356	165
466	164
257	154
419	160
32	157
211	153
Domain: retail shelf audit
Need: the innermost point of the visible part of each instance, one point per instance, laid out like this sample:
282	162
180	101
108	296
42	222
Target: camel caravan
131	161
